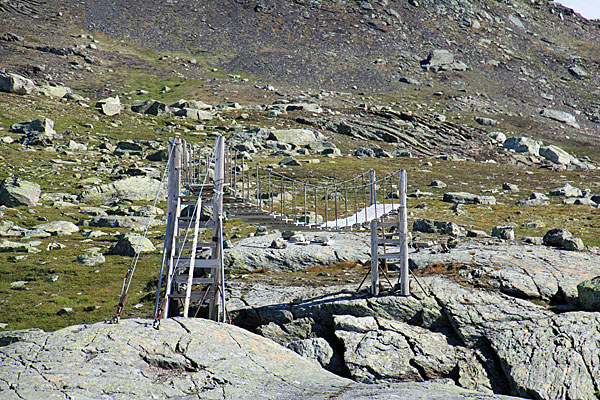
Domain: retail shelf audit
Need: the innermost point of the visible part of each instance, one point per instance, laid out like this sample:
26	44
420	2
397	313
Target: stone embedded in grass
91	259
130	244
16	192
510	187
278	243
109	106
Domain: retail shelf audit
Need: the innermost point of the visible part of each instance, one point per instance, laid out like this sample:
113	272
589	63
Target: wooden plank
395	242
387	224
188	244
389	256
210	263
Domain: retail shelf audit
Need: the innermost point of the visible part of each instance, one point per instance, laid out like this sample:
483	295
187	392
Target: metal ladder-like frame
192	276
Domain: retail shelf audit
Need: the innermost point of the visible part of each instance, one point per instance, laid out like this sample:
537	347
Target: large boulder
442	60
18	192
37	132
133	188
130	244
13	83
298	137
589	294
109	106
58	228
557	155
560	116
566	190
522	145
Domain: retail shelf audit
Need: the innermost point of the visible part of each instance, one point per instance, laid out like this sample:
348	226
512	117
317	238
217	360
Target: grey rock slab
317	349
58	228
560	116
211	360
19	192
134	188
551	358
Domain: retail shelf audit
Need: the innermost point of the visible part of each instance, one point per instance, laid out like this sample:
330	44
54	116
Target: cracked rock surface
184	359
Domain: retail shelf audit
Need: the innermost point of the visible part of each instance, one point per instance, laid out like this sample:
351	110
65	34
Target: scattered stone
510	187
56	91
64	311
579	72
298	238
18	284
567	191
536	240
16	192
504	232
53	278
37	132
409	80
55	246
437	184
486	121
468	198
130	244
560	116
444	228
278	243
290	162
109	106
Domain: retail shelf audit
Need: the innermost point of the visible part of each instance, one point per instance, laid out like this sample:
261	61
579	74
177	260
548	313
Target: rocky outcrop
468	198
551	358
208	359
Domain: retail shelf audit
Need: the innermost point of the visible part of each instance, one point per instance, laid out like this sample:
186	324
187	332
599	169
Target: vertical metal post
281	198
403	231
305	209
372	191
316	215
174	189
374	259
336	205
218	303
326	206
258	188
